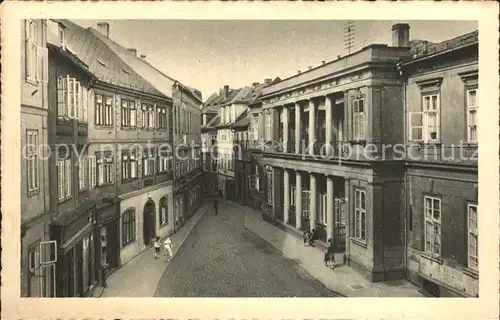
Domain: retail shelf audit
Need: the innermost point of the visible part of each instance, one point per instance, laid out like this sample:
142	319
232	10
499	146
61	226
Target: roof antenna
349	36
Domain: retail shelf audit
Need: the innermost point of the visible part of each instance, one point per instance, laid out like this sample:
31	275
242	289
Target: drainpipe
405	200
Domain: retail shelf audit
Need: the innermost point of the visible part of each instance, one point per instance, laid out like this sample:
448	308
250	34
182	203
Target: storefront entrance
149	227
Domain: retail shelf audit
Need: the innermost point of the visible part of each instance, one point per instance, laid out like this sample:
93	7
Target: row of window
432	214
185	121
225	135
424	126
129	233
226	161
98	170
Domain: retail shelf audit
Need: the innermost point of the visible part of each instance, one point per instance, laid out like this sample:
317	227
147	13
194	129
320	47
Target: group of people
167	248
311	236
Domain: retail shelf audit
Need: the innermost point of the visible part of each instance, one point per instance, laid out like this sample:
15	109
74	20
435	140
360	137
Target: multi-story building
36	277
210	119
243	159
76	216
112	189
184	132
324	167
441	95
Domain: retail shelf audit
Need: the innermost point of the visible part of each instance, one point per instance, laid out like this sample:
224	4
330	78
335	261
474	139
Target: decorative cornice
435	82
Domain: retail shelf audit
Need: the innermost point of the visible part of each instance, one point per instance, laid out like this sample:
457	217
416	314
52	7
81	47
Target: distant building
441	94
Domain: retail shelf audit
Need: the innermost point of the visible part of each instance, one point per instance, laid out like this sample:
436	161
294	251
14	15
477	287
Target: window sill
33	192
129	180
103	127
359	242
148	129
128	128
431	257
469	144
471	272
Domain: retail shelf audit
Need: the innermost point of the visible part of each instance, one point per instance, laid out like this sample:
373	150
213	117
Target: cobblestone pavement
222	259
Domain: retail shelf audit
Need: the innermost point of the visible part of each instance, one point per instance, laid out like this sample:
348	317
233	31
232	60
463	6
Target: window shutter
68	176
92	171
45	66
60	178
61	110
416	126
26	47
69	105
83	115
139	117
39	63
77	97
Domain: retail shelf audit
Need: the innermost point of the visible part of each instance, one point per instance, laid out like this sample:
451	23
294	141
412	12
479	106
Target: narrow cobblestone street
222	259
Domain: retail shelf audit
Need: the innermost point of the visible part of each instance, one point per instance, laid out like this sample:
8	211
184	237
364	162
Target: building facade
321	159
441	86
243	159
210	119
36	273
108	187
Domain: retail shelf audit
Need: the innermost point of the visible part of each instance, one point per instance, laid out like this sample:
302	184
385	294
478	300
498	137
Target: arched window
128	227
163	211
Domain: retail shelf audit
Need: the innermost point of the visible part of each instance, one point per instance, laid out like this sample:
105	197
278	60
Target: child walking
167	248
157	246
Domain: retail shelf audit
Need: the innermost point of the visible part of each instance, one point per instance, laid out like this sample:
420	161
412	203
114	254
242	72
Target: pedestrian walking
216	207
167	249
157	246
329	254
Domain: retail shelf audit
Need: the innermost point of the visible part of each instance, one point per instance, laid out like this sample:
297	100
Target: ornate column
285	117
297	127
330	218
312	127
298	200
328	124
313	198
286	196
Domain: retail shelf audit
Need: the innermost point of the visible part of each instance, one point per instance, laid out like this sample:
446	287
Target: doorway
149	227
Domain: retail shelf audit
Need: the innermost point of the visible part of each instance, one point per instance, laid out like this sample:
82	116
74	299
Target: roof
103	62
243	121
72	57
216	101
423	48
213	123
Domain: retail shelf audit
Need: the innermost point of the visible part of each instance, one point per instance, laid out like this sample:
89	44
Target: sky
208	54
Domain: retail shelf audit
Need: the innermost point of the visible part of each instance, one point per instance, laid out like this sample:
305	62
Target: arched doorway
149	222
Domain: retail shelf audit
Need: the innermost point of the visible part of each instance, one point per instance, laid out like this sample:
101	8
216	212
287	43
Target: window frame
128	113
426	113
472	108
360	216
32	162
474	232
359	117
293	195
129	162
105	164
433	221
148	116
103	110
161	118
270	187
163	216
128	224
149	158
31	50
83	173
64	177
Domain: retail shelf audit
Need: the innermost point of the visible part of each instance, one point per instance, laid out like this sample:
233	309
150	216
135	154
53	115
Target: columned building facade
324	166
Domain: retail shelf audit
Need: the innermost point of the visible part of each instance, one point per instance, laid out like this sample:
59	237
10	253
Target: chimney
323	62
338	56
133	51
255	84
268	81
401	35
309	67
298	71
143	57
103	27
226	91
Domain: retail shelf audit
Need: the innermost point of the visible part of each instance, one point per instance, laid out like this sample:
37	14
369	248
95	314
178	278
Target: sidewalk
140	276
342	280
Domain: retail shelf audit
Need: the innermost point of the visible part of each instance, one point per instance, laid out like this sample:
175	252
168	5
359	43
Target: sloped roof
243	121
157	77
421	48
214	122
103	62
